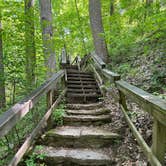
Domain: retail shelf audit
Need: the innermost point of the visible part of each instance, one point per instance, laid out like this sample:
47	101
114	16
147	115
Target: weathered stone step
99	111
79	137
72	67
80	78
81	82
78	120
82	90
72	71
85	106
82	86
74	157
92	94
82	75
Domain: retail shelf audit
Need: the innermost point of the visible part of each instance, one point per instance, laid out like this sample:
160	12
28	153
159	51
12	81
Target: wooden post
49	104
122	100
159	140
54	96
49	99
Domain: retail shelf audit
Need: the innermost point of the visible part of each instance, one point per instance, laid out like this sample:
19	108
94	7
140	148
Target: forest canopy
114	54
126	23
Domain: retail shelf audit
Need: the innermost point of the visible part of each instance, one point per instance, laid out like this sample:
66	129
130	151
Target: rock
99	111
76	157
78	120
80	137
85	106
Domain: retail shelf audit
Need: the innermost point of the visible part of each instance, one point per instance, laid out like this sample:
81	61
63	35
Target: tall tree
80	25
148	2
111	7
47	34
97	29
30	43
148	8
2	75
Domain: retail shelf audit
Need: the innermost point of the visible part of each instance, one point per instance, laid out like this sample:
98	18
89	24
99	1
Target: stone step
79	137
99	111
74	157
72	67
82	99
82	86
80	78
72	71
78	120
82	75
81	90
85	106
92	94
82	82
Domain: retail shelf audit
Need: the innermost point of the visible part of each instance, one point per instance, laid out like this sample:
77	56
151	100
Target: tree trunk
148	8
80	29
97	29
47	35
111	7
148	2
2	75
30	44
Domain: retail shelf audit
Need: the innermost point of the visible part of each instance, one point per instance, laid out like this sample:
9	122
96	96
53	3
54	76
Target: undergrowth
58	114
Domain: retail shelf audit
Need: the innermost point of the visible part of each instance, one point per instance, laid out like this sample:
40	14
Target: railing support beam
159	140
49	98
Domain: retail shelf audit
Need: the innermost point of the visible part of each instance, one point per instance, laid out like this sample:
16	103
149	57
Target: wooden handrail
98	60
75	59
150	103
64	58
42	124
111	75
147	150
155	106
78	61
84	60
9	118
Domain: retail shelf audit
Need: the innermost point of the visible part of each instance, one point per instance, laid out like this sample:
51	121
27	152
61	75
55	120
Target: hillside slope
144	65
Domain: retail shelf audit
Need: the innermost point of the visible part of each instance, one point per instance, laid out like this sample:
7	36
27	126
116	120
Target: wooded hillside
133	31
127	37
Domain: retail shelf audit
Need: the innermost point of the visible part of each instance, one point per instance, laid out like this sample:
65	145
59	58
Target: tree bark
30	50
148	8
80	25
97	29
148	2
47	35
2	75
111	7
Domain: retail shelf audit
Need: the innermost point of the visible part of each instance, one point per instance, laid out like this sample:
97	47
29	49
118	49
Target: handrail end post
159	140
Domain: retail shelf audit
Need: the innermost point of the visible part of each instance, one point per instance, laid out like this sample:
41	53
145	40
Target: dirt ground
127	152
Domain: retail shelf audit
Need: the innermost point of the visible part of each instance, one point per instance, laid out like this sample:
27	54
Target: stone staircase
81	87
80	141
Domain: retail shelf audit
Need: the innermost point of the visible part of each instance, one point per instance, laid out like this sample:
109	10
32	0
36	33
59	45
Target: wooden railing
65	60
10	118
155	106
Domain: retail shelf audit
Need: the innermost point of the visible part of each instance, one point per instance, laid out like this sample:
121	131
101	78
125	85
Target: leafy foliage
31	161
135	34
58	114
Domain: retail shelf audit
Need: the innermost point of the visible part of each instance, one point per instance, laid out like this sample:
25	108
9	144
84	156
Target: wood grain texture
111	75
98	60
42	124
9	119
147	150
150	103
159	140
